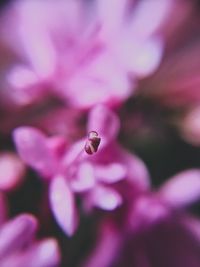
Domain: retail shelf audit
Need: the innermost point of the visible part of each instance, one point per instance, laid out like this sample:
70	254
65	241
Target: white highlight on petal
63	205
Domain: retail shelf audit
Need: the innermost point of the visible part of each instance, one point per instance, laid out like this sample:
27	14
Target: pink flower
70	46
156	231
97	178
18	246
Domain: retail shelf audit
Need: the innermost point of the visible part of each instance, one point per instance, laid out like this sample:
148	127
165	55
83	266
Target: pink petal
42	254
12	170
84	178
106	198
101	80
145	23
107	247
182	189
33	149
104	122
110	20
139	57
110	173
63	205
16	233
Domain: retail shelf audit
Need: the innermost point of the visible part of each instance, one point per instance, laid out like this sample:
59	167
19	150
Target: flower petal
33	149
16	233
63	205
41	254
104	122
106	198
110	173
84	179
12	170
182	189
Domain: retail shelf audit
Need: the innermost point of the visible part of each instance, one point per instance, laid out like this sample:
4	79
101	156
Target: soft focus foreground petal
110	173
108	244
84	179
24	85
16	233
182	189
101	80
140	58
148	16
110	20
63	205
32	147
42	254
12	170
105	198
105	122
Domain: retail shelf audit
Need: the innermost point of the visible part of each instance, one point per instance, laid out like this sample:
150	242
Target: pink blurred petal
104	122
16	233
149	16
110	173
107	248
63	205
182	189
101	80
139	57
84	179
42	254
12	170
106	198
111	21
33	149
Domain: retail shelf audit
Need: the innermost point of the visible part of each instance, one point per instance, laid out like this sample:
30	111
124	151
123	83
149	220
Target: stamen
92	143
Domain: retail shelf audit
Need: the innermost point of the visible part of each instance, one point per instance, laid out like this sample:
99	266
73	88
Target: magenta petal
42	254
110	173
33	149
107	247
182	189
63	205
16	233
84	179
12	170
105	122
106	198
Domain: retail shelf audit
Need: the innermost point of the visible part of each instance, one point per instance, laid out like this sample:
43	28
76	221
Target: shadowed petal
16	233
63	205
42	254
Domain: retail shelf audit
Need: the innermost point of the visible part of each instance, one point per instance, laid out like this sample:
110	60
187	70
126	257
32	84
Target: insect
92	143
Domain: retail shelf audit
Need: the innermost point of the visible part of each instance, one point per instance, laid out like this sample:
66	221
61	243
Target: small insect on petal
92	143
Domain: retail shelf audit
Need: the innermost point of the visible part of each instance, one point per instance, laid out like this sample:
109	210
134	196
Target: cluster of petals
157	230
70	170
62	47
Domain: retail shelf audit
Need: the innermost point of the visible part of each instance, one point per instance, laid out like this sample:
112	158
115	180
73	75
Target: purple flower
70	46
156	231
96	178
18	246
